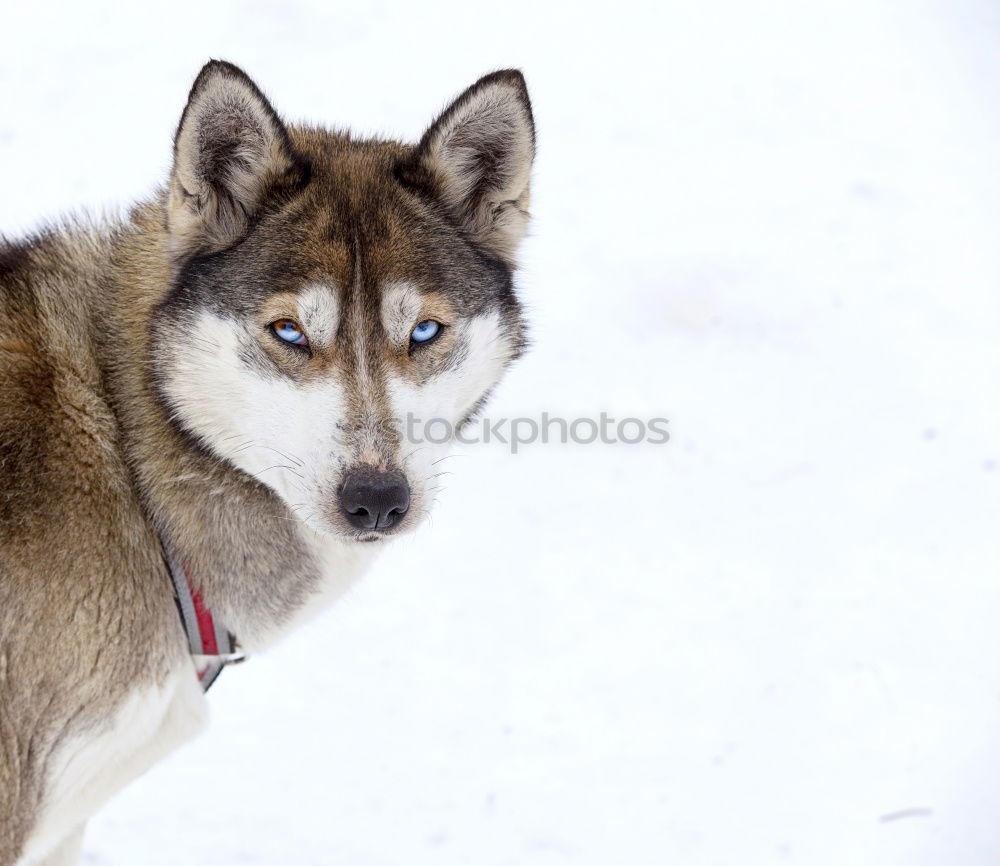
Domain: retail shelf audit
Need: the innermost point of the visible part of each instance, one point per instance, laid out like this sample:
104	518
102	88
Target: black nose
372	499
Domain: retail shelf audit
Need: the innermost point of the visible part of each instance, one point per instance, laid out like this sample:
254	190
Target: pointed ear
476	159
231	152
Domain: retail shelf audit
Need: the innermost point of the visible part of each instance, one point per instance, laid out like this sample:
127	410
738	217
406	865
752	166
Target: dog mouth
371	537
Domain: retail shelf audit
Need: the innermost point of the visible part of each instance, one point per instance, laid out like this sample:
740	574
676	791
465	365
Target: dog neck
259	568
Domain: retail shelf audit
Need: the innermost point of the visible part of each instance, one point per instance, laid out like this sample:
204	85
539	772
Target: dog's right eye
289	331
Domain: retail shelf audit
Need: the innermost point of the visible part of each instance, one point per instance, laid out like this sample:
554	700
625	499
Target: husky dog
215	385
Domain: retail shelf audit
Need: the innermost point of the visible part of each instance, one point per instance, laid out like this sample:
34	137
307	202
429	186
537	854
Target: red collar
212	645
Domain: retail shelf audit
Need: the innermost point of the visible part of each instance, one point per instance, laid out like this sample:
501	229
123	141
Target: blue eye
425	331
290	332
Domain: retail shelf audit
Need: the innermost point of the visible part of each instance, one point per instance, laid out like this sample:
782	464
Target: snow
771	640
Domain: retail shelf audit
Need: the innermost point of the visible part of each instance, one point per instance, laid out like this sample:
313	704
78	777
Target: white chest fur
88	768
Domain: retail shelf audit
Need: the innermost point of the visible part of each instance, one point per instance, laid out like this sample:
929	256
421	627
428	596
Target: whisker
276	466
242	447
446	457
283	454
414	451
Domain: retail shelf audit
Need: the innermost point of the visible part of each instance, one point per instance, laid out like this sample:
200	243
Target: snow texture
772	640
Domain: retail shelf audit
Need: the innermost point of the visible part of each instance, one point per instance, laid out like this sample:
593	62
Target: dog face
340	308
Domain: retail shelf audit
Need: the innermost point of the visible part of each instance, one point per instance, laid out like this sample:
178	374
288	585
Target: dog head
332	298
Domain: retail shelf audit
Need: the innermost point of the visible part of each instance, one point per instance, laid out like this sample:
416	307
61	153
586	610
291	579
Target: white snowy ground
773	640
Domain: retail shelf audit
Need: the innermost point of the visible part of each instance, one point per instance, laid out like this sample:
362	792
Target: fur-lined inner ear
231	150
476	158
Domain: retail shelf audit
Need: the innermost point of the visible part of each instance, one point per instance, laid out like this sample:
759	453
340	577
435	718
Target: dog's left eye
290	332
425	331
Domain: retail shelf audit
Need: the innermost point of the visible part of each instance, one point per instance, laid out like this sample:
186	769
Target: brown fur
85	606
